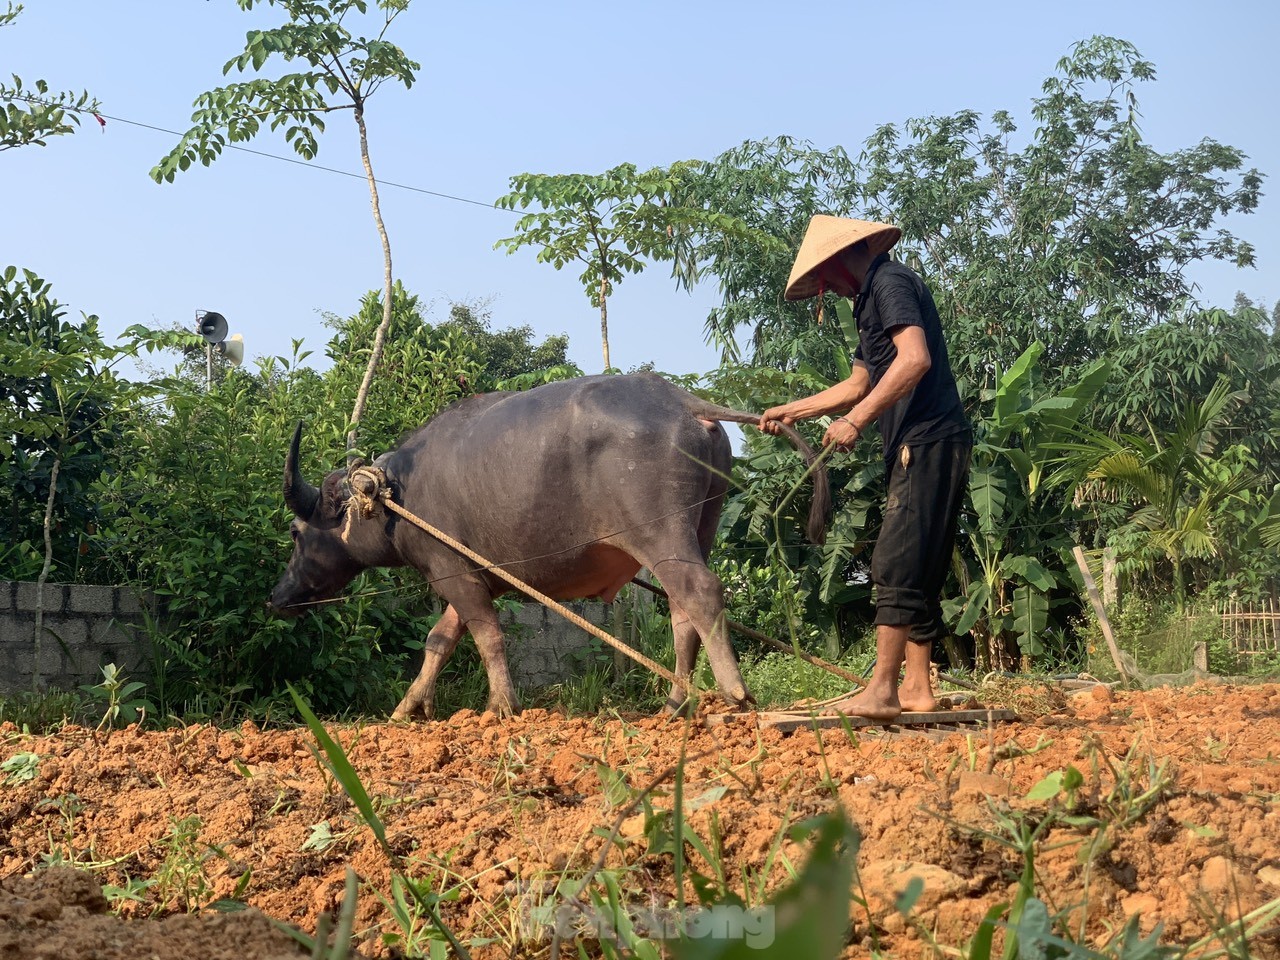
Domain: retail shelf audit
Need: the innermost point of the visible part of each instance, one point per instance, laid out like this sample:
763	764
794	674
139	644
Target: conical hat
826	237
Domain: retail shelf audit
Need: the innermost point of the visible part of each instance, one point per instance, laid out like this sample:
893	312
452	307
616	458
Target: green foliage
779	680
339	62
508	359
39	712
194	515
1050	236
1160	638
773	188
119	698
345	70
405	891
31	115
611	223
183	499
810	916
1056	236
60	404
20	768
1012	571
1176	483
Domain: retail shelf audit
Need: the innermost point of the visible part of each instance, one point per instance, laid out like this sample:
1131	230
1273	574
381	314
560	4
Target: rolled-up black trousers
926	485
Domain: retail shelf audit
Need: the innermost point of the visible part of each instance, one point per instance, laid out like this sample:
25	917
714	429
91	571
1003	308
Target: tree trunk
1179	586
380	338
604	320
36	681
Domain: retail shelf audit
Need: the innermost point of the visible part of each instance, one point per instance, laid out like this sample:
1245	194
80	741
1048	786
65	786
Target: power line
270	156
312	166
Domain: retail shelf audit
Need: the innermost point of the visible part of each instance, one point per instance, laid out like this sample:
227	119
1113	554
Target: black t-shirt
897	297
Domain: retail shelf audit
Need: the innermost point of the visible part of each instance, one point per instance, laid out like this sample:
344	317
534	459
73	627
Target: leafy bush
1158	637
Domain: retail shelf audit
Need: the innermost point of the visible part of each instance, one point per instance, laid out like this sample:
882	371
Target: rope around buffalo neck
368	487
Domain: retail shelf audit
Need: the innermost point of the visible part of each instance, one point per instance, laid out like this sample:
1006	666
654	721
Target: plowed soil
495	812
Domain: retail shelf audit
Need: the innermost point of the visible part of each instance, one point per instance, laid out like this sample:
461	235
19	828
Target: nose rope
368	486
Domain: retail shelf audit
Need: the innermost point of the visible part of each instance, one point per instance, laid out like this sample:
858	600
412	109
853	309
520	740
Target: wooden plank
942	721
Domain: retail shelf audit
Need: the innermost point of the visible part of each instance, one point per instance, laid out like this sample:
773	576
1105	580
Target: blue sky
555	88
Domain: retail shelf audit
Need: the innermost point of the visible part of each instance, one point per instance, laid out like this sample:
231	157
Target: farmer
901	380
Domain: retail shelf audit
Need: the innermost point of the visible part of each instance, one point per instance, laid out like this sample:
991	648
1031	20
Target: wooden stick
1101	613
769	641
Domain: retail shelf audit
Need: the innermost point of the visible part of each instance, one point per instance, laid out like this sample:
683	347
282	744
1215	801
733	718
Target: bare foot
869	704
921	701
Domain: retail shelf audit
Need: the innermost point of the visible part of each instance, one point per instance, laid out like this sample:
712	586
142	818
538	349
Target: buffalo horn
300	496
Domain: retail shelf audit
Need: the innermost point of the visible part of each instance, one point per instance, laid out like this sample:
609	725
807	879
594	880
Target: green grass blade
343	771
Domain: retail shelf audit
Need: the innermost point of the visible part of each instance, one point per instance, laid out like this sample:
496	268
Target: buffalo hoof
411	709
678	707
504	706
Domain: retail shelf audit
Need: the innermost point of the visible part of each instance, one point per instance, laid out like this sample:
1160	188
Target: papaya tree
342	72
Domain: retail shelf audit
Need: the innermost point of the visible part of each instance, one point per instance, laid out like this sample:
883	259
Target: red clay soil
500	810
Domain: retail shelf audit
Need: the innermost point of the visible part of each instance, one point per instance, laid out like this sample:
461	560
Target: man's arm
834	399
907	370
909	366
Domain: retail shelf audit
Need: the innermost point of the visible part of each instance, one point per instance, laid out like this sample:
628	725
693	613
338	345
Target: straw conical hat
826	237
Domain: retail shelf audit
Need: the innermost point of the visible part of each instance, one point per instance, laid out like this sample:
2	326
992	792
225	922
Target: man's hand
842	434
770	419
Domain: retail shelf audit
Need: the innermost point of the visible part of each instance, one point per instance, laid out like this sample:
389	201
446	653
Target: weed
340	766
20	768
39	713
134	890
118	698
182	880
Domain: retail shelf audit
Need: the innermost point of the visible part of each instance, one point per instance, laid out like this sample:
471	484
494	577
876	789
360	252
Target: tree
508	354
611	223
32	115
1168	365
772	187
1177	481
60	407
1014	534
1077	235
344	71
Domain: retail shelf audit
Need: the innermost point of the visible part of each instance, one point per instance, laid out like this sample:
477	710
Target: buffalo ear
301	497
333	497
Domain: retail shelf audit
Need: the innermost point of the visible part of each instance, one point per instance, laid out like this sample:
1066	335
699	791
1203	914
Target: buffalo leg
441	642
700	594
487	634
687	643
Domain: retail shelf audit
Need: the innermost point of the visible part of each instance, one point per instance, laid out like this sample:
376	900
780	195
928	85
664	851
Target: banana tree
1013	536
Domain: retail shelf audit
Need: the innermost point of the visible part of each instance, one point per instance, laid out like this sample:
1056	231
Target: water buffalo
572	487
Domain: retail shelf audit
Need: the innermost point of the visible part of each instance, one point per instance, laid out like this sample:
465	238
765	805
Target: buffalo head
322	562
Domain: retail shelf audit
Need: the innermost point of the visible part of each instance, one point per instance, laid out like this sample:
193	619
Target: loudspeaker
233	349
211	326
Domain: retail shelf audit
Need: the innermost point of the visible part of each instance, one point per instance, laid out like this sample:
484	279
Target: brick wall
85	627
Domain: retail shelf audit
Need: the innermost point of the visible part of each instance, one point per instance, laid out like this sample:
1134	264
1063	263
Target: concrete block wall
543	648
89	626
85	627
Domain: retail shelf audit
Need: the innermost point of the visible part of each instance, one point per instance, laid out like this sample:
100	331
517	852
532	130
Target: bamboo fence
1252	628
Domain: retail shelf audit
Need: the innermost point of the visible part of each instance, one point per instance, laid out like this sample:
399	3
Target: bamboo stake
1101	613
